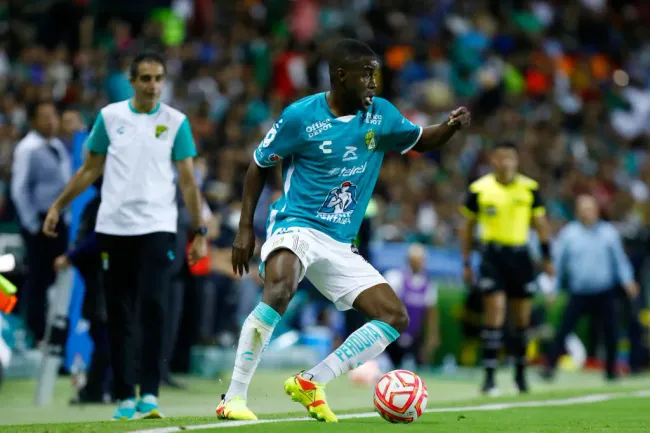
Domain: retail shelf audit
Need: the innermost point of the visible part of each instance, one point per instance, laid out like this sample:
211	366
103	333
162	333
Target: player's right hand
242	250
632	289
50	223
61	262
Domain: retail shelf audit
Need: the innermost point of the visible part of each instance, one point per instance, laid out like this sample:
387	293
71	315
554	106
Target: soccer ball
400	396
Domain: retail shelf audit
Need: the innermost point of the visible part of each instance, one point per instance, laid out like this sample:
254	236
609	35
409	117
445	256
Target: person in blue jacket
86	257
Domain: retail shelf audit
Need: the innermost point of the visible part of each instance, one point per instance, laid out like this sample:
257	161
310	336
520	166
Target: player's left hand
198	249
461	117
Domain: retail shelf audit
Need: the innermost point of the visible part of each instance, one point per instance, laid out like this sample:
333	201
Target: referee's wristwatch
201	231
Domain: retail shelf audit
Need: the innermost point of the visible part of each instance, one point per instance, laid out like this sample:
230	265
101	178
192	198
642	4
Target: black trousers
179	275
41	252
136	280
602	309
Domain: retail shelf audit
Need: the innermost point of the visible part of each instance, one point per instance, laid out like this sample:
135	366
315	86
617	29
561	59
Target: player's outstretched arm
435	136
244	245
87	174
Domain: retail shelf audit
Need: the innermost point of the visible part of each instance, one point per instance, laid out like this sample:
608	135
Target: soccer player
505	203
333	144
137	144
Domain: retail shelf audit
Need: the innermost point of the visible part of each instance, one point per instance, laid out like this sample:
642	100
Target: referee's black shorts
137	281
508	269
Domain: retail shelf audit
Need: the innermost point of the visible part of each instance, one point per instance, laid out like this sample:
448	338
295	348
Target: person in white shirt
136	144
40	170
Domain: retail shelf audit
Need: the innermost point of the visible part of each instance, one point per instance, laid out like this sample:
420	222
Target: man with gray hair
590	263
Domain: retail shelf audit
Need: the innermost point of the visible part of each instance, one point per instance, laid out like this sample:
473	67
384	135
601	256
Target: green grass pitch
576	402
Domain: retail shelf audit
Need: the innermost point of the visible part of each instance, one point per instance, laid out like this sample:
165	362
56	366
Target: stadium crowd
566	80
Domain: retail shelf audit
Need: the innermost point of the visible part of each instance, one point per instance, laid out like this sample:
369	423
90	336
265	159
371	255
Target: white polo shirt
139	190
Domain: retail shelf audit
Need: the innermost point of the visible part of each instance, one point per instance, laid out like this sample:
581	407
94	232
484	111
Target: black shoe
489	388
547	374
522	383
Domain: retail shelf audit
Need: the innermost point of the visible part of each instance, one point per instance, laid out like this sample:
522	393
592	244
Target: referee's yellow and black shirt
503	212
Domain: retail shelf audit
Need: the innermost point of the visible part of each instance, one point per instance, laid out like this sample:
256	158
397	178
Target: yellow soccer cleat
235	410
311	395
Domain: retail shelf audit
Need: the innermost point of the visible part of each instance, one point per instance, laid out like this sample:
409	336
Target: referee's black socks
519	345
492	341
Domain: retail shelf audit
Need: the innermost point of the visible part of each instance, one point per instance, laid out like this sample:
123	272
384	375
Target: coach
40	170
591	263
135	144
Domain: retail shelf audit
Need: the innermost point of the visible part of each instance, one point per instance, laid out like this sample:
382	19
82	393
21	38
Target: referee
136	144
504	204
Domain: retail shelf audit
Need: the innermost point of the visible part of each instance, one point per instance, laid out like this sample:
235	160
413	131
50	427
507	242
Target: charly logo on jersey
162	132
348	171
371	142
373	119
317	127
339	204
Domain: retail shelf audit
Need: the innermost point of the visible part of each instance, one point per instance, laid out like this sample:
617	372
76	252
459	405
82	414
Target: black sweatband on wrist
546	250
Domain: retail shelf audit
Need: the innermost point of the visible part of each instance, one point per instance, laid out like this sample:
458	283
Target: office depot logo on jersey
316	128
373	119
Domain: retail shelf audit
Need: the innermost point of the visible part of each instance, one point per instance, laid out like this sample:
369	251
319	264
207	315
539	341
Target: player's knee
495	309
282	276
398	318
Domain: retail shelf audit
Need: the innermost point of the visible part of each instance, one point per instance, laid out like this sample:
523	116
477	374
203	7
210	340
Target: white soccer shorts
333	267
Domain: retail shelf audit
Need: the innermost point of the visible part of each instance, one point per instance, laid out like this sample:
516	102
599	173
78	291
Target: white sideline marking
593	398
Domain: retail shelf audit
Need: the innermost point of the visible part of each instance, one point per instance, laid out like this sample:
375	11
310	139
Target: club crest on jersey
161	131
339	204
371	143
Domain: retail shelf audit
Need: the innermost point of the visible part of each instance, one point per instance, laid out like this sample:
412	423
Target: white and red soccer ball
400	396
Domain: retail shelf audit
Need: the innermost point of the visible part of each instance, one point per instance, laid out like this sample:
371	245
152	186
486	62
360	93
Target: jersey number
299	247
270	136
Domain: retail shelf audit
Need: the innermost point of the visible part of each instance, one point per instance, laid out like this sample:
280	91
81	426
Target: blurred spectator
420	295
86	258
71	123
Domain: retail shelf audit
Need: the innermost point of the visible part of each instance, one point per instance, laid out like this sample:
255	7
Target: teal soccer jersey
332	164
